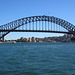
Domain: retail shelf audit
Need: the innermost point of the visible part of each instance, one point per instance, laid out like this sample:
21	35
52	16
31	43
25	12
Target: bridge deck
48	31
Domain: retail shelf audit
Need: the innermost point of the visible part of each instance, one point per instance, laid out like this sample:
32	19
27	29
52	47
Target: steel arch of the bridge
17	23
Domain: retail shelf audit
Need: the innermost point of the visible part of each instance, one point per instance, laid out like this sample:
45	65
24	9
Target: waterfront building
33	39
21	38
37	39
27	39
68	36
30	39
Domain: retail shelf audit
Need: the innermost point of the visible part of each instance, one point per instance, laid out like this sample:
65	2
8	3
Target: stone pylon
3	38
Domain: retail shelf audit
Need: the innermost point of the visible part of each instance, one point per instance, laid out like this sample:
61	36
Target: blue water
37	59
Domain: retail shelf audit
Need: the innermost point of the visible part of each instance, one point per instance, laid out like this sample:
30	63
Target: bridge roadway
48	31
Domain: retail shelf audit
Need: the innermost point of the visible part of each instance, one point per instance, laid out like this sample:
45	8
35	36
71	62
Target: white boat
14	42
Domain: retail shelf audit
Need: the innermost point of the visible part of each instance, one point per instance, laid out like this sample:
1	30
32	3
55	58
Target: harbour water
37	59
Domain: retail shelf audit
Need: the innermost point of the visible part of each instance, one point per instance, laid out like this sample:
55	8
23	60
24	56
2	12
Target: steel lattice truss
20	22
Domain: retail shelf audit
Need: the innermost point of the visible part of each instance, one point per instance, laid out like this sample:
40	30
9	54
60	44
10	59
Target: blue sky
11	10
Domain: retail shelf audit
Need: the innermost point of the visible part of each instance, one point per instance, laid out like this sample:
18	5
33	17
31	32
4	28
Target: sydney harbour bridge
49	24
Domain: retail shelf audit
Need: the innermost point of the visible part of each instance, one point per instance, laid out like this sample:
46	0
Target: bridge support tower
3	38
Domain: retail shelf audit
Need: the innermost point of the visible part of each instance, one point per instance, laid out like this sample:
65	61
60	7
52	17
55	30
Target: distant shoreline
2	42
36	42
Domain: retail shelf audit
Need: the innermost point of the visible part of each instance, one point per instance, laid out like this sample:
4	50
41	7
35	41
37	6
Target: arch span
20	22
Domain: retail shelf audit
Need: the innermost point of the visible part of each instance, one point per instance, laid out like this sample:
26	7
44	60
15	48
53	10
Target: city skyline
64	38
16	9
